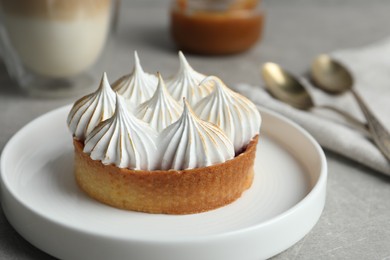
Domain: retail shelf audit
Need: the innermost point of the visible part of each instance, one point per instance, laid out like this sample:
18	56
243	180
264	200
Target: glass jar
216	26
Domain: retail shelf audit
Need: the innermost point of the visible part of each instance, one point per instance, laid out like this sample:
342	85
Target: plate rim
314	191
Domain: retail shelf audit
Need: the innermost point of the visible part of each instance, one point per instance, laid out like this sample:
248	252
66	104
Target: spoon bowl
285	87
330	75
333	77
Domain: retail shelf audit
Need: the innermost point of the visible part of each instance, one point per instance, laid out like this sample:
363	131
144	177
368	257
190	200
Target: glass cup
49	47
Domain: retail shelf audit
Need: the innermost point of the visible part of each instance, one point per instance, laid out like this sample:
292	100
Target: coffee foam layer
55	9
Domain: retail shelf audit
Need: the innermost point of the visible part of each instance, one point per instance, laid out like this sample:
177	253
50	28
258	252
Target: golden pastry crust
169	192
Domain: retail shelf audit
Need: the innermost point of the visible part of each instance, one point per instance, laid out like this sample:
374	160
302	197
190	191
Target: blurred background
355	222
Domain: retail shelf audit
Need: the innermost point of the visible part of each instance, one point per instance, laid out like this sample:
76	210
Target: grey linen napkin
370	67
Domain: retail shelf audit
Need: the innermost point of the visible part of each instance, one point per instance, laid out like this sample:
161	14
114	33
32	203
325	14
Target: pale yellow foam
54	9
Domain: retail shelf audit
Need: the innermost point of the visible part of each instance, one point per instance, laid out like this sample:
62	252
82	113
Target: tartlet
157	156
170	191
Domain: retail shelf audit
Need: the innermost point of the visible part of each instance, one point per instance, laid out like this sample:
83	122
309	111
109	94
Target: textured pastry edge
169	192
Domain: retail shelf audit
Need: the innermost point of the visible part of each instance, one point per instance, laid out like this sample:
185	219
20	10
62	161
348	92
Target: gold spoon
333	77
284	86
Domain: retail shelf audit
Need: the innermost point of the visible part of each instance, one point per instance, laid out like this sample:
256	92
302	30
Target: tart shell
169	192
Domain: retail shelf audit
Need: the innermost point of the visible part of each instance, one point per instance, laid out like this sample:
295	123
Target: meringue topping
156	132
233	113
138	86
186	83
91	109
123	140
161	110
192	143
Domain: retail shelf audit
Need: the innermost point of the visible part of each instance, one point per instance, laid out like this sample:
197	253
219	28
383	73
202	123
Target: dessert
161	156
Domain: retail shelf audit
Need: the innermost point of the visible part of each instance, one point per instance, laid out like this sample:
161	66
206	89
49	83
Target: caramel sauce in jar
216	26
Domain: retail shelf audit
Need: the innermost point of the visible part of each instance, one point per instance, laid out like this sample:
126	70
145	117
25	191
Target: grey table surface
355	223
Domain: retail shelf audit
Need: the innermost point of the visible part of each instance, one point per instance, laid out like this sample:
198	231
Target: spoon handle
354	122
380	135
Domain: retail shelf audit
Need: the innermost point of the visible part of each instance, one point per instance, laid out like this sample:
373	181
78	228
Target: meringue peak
91	109
220	88
191	143
236	115
161	109
161	90
137	64
123	140
184	65
120	107
185	83
104	84
138	86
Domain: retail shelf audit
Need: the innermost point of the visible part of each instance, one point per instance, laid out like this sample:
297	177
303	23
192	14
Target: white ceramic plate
43	203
